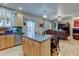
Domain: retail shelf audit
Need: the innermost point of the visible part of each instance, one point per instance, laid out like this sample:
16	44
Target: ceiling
50	9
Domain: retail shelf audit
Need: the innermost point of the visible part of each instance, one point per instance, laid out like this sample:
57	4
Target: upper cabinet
7	17
19	19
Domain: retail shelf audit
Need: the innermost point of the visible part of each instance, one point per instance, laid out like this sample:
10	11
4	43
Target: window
47	24
7	22
1	22
30	28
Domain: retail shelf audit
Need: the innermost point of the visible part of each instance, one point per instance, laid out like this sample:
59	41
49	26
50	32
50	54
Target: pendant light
45	15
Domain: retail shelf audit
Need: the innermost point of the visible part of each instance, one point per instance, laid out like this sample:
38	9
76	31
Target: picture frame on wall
76	23
41	23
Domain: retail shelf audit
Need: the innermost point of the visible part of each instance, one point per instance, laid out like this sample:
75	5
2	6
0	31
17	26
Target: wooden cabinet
9	40
6	41
30	47
2	42
34	48
19	20
25	46
35	51
45	48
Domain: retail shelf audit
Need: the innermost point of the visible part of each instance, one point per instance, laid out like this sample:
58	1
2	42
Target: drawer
2	37
2	44
36	43
10	37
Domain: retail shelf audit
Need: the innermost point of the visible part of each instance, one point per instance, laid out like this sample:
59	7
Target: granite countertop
11	33
39	38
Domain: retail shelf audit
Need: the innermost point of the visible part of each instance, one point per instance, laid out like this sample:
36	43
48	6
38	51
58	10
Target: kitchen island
36	45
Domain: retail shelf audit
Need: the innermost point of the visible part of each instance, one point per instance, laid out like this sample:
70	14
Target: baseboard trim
9	47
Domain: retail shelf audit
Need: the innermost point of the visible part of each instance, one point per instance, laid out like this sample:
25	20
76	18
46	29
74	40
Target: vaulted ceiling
50	9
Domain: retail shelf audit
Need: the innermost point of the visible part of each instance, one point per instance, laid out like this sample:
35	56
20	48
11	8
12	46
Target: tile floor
14	51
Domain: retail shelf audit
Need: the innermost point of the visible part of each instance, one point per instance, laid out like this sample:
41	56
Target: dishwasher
18	38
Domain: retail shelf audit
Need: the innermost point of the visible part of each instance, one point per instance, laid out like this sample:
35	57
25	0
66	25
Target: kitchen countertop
11	33
39	38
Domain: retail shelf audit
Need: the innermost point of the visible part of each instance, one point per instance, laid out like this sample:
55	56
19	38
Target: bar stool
55	44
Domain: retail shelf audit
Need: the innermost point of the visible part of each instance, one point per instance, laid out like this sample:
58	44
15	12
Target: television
75	30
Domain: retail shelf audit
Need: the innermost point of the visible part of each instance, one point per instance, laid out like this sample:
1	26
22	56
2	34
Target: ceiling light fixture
20	8
59	18
44	16
5	3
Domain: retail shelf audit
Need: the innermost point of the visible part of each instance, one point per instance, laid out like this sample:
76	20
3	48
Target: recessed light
20	8
5	3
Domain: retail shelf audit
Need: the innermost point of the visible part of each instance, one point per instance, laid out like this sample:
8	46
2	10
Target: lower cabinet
30	48
2	42
6	41
25	46
9	40
34	48
35	51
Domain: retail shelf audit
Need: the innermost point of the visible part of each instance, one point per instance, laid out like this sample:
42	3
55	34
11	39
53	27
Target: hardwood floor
69	48
14	51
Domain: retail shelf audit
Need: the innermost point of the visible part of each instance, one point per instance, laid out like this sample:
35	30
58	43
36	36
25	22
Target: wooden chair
55	45
54	41
64	35
50	32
